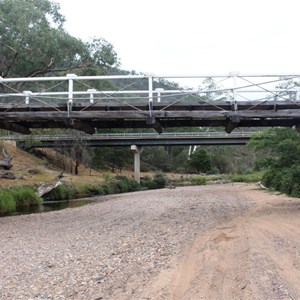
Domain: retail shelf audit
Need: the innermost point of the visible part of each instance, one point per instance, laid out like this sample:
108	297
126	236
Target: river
49	206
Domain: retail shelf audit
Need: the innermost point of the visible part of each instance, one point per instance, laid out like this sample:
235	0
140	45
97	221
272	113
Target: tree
33	42
281	160
210	84
116	158
201	161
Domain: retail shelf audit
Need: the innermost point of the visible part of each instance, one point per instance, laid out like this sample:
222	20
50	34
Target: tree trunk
77	163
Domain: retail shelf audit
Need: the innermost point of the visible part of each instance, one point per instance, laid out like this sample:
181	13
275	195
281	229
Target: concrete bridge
127	139
88	103
135	140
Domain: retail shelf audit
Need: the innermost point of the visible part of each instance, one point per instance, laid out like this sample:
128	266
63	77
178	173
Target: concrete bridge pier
137	162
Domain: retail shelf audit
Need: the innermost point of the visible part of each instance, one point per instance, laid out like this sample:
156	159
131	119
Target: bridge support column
137	162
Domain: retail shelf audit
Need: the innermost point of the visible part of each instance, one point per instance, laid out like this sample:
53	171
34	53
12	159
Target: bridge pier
137	162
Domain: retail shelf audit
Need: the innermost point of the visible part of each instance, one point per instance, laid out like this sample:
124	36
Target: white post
70	91
158	90
297	95
27	96
150	85
91	91
234	75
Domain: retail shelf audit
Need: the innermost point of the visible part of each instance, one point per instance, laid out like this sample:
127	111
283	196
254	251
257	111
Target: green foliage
281	147
14	197
61	192
116	158
252	177
160	180
127	184
7	201
285	180
155	158
201	161
198	180
157	182
34	42
116	185
25	196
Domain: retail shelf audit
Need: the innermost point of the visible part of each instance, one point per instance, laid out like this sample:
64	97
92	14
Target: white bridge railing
126	89
138	135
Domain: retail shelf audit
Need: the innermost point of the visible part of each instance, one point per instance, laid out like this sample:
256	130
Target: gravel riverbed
110	249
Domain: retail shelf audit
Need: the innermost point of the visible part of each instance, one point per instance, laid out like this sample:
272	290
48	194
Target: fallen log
46	188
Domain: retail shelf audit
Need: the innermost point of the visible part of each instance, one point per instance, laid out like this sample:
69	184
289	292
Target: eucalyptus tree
33	42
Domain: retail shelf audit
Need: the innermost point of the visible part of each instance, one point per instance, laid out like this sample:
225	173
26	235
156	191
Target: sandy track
253	256
209	242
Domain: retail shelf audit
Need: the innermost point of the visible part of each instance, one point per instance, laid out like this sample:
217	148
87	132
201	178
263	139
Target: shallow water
49	206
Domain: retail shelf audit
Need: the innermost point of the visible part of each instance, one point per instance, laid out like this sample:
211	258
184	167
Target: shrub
113	188
160	180
157	182
284	180
61	192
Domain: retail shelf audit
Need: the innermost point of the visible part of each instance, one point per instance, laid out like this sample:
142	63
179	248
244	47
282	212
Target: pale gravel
109	249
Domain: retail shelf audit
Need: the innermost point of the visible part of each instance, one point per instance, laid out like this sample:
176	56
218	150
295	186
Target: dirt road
210	242
254	256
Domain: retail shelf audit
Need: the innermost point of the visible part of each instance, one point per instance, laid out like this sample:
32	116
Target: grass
15	197
112	185
253	177
198	180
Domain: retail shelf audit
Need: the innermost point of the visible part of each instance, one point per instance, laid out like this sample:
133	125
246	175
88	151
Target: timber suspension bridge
88	103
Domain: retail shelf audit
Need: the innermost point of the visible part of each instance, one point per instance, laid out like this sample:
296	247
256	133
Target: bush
157	182
160	180
61	192
284	180
119	184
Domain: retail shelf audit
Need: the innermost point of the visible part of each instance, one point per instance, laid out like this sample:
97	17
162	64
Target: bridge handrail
205	134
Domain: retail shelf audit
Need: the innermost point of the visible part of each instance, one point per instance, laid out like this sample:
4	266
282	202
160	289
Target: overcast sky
193	36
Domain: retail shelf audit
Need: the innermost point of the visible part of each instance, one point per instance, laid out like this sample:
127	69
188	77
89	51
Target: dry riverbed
229	241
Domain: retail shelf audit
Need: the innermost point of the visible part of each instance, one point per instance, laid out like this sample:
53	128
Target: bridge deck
87	118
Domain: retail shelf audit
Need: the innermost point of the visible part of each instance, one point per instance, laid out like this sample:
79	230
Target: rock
7	175
5	163
47	187
33	171
171	187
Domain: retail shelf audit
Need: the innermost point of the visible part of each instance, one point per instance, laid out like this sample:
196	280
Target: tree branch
48	69
8	67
